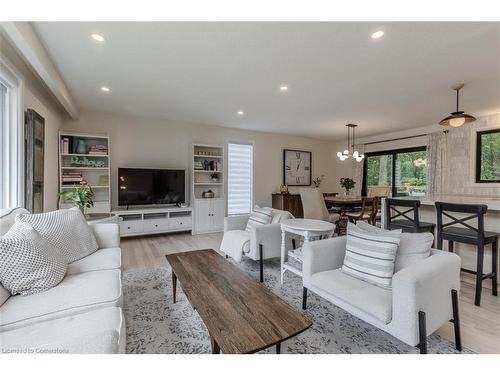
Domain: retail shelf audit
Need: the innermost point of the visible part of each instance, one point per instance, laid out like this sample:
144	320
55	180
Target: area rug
156	325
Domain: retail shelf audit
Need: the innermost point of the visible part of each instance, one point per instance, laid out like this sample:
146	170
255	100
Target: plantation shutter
240	178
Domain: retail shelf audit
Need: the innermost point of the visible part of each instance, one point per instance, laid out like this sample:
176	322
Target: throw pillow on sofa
371	256
65	229
28	263
259	216
413	247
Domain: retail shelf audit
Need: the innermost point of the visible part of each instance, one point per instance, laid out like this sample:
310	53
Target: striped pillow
259	216
371	256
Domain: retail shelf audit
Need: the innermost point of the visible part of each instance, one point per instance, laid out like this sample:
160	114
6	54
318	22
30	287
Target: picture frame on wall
297	167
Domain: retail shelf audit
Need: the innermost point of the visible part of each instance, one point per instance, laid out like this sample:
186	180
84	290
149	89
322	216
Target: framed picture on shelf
297	167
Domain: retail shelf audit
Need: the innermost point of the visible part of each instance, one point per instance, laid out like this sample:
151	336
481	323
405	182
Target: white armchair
424	294
262	242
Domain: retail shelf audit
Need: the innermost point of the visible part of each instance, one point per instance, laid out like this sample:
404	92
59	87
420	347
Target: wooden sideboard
290	203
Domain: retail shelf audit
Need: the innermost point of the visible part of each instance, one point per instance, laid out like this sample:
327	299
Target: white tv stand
138	222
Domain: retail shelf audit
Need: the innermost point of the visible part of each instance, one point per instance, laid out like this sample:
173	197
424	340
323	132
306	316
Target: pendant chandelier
349	151
457	118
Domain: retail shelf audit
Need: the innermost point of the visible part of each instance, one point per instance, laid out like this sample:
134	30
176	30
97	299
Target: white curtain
436	162
357	176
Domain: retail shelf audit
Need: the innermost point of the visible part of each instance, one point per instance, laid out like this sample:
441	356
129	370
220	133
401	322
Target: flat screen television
141	186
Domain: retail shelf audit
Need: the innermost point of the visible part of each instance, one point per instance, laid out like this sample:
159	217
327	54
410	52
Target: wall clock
296	168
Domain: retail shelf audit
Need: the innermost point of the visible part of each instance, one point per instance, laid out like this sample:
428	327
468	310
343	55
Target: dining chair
379	191
314	206
368	212
469	234
410	218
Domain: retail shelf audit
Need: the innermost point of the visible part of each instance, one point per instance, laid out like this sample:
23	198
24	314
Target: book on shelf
64	145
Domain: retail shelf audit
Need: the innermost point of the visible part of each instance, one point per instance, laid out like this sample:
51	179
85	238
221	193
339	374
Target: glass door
411	173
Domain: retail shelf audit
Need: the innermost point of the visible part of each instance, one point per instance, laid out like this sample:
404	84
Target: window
239	179
400	172
11	143
488	156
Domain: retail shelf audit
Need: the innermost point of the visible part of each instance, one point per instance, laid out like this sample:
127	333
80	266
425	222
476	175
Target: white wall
37	97
149	142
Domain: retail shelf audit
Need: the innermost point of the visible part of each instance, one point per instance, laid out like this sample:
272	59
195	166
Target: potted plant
81	197
318	180
348	184
214	177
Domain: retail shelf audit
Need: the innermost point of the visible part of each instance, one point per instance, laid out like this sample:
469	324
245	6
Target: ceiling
206	72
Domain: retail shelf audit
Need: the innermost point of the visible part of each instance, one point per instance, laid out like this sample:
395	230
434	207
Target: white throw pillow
65	229
259	216
28	263
8	216
371	256
413	247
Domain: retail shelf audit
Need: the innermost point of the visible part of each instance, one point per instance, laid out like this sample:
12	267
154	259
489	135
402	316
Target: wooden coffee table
241	314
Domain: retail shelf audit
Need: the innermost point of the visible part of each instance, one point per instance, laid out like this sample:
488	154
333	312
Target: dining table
344	204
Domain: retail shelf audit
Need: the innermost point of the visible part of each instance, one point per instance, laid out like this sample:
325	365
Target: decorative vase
347	193
81	147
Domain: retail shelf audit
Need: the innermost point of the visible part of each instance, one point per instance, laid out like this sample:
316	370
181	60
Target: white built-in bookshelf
208	160
85	157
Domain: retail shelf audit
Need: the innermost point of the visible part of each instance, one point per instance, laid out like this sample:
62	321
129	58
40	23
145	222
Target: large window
397	172
488	156
239	179
11	171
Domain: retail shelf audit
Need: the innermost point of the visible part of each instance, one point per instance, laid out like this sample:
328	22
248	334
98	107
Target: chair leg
304	298
494	268
456	319
479	274
450	246
261	261
422	332
294	245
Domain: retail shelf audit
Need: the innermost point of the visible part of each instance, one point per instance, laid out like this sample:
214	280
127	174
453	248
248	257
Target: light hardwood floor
480	325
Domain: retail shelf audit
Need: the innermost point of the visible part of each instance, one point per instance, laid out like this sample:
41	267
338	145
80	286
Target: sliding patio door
402	172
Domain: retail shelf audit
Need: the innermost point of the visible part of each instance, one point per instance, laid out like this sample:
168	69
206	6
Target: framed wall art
297	167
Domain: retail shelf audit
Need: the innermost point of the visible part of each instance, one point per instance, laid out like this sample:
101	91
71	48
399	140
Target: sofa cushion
280	215
97	331
259	216
369	298
29	263
8	216
103	259
413	247
76	293
65	229
4	295
370	256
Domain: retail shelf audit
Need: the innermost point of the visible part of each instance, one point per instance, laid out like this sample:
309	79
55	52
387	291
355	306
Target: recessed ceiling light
377	34
284	88
105	89
97	37
241	113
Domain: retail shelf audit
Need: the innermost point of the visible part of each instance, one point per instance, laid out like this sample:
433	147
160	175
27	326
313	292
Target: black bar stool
469	235
410	219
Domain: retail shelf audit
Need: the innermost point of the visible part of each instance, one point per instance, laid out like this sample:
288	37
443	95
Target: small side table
307	228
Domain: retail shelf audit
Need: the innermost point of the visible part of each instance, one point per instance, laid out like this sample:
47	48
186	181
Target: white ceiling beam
28	44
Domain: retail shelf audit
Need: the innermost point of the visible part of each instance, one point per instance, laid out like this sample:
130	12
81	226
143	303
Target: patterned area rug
156	325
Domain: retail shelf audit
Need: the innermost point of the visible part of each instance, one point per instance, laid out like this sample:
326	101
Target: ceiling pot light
283	88
377	34
241	113
351	139
457	118
97	37
105	89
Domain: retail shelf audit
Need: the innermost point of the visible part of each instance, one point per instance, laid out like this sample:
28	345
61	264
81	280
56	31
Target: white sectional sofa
82	314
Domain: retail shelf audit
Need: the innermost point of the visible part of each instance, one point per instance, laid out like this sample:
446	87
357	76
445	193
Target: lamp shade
457	119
